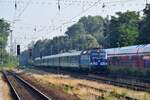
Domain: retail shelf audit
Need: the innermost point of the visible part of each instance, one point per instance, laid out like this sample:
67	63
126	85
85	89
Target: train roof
70	53
136	49
75	53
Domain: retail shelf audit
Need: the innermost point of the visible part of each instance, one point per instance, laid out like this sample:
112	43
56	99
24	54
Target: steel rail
11	86
105	79
120	83
35	90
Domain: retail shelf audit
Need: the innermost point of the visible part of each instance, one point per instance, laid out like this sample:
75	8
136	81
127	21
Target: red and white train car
132	56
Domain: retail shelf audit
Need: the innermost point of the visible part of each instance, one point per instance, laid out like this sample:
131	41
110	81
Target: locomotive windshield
102	54
97	56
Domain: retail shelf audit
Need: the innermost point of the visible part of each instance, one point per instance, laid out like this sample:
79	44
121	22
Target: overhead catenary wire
74	16
56	14
42	29
72	2
78	14
103	6
26	6
65	2
15	4
59	5
106	3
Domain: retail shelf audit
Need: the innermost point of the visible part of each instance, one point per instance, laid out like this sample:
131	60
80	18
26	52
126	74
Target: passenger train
97	59
130	56
86	60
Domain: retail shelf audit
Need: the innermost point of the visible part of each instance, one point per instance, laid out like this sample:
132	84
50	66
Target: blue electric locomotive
86	60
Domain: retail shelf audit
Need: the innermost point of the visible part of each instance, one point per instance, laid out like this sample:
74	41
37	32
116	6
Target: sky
32	20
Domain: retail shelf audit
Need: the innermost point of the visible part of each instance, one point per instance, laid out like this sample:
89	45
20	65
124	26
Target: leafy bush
128	71
147	73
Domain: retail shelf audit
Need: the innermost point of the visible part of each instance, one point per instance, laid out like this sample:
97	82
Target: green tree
92	24
86	33
38	48
144	37
75	30
4	32
86	41
123	29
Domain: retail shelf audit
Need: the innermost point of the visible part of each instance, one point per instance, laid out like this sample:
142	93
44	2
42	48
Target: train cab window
74	59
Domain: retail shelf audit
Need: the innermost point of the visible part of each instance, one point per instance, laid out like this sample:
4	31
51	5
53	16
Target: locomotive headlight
94	63
103	63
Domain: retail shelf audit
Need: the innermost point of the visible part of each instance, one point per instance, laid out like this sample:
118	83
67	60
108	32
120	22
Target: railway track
115	94
124	97
122	83
21	89
138	86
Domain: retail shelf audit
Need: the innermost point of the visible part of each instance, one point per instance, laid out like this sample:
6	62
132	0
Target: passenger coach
130	56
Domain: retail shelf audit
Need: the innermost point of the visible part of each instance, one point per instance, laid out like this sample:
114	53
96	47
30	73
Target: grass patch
115	94
54	85
129	71
67	88
10	63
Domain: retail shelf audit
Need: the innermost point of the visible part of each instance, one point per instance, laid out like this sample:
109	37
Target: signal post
18	55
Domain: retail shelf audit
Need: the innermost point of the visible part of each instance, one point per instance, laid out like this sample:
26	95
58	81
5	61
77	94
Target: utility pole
146	2
11	39
14	47
1	61
11	45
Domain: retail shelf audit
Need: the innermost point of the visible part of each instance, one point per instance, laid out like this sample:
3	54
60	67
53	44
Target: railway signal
18	50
